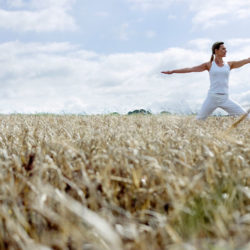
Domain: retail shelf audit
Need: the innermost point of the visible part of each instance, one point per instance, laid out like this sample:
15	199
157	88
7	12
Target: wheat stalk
235	124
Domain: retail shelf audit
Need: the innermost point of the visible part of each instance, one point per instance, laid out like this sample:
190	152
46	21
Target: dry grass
123	182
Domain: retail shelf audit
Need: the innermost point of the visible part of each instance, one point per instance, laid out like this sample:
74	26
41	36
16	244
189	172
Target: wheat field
124	182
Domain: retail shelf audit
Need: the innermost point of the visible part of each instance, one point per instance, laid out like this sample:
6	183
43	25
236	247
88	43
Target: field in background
123	182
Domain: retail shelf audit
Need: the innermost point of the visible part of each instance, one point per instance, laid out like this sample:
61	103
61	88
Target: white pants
214	101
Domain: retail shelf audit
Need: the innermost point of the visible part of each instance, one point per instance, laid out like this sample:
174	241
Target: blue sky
79	56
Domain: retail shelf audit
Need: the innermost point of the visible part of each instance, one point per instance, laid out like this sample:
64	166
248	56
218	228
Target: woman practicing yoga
219	73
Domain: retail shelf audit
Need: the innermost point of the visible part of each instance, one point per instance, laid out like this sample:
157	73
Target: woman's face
222	51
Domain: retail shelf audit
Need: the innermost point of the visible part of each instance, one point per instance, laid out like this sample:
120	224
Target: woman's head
218	48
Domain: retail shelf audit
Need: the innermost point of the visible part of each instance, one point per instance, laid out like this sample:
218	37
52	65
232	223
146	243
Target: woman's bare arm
238	64
199	68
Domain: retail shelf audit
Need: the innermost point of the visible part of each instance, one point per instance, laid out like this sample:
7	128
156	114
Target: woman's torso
219	76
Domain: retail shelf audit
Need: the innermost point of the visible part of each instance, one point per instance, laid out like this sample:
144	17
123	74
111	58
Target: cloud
150	4
237	42
206	14
61	77
37	4
210	17
15	3
201	44
38	16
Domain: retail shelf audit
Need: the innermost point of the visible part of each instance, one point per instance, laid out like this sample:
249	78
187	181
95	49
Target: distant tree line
139	111
148	112
142	112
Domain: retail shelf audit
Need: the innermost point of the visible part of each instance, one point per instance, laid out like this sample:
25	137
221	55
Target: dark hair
214	47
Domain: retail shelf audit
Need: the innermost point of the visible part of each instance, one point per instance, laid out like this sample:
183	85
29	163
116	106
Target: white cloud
38	5
150	4
201	44
15	3
60	77
37	15
206	14
210	16
238	41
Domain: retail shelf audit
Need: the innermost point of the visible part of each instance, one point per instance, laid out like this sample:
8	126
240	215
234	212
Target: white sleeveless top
219	78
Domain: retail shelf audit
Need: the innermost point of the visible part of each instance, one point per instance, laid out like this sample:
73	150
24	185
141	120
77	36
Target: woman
219	73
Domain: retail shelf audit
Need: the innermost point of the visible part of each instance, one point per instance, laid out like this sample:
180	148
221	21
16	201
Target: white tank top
219	78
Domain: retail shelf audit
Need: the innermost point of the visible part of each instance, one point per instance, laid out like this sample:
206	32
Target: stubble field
124	182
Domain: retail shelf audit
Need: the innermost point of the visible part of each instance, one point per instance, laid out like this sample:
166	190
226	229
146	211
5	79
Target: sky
97	57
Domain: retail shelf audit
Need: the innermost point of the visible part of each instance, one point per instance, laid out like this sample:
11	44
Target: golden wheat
124	182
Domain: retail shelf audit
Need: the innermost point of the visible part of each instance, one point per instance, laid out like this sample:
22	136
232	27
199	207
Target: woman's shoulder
209	65
228	63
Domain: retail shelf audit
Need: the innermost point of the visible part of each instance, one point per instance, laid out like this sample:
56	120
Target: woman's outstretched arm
238	64
199	68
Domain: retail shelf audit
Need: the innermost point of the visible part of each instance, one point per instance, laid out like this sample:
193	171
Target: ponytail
212	58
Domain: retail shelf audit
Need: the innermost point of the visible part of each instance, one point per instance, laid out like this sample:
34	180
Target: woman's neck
219	60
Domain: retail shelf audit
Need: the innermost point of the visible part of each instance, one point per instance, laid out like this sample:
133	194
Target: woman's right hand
167	72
